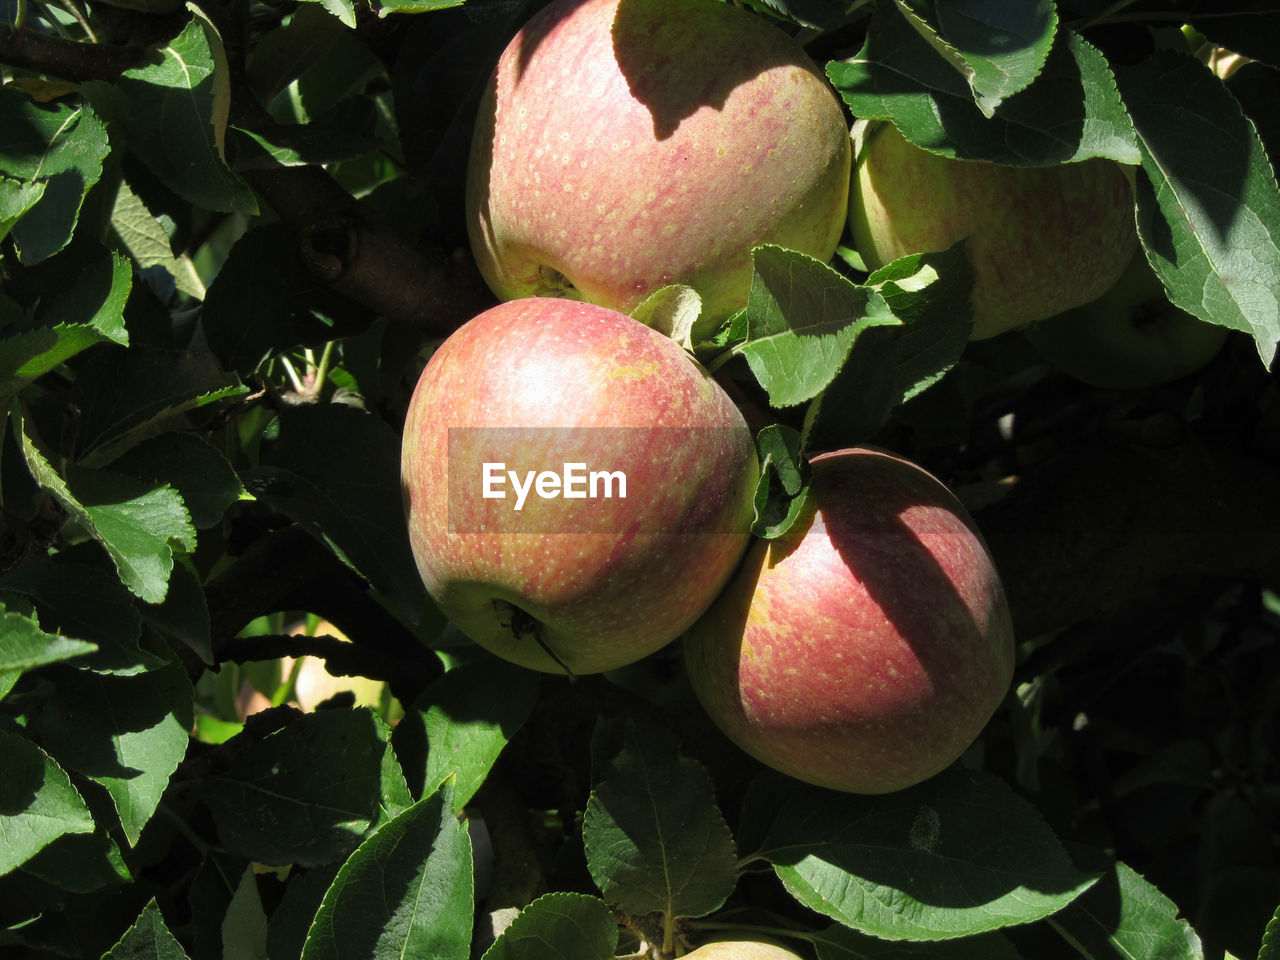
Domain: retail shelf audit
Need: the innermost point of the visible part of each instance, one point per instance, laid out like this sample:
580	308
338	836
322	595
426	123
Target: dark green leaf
177	119
148	939
419	6
1208	205
816	14
559	926
999	48
265	301
352	502
406	892
461	722
1124	915
87	604
1250	28
841	943
244	928
192	466
38	802
52	155
655	840
127	733
958	855
148	244
1271	939
343	10
81	862
184	614
929	293
781	492
305	794
23	645
1072	111
803	318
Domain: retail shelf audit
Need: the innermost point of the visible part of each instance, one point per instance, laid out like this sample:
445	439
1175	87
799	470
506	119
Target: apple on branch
1130	338
1041	239
578	488
866	648
624	145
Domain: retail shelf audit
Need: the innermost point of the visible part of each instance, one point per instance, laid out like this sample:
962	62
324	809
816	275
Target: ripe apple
623	145
741	950
1130	338
1041	239
588	583
866	648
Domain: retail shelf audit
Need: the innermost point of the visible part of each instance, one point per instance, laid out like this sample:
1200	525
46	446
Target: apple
623	145
1130	338
741	950
866	648
1041	239
556	392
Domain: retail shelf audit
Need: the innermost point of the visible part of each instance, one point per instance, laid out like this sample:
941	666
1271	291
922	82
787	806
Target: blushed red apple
866	648
1041	239
596	581
623	145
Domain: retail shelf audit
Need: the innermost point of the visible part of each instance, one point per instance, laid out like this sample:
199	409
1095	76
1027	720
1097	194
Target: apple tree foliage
229	234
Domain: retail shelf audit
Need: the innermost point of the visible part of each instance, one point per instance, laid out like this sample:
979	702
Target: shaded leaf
406	892
841	943
127	733
655	840
559	926
148	244
1208	205
1072	111
460	724
80	862
958	855
38	803
23	645
52	155
148	939
192	466
177	119
244	928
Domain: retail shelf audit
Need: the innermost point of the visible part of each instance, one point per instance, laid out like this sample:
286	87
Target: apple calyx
523	624
553	283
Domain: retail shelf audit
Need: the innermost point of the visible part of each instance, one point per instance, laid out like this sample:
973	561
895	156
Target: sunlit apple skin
1041	239
741	950
1130	338
603	598
866	648
623	145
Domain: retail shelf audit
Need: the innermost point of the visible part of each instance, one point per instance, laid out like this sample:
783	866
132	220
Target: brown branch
65	59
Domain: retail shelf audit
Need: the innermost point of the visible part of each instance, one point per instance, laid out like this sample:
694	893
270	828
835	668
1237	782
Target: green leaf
673	311
930	295
841	943
192	466
79	298
184	614
351	502
86	604
418	6
52	155
244	927
80	862
23	645
1124	915
803	318
38	803
406	892
147	392
1208	205
177	119
148	244
305	794
137	524
460	724
282	55
1071	112
264	301
16	198
559	926
999	48
127	733
344	10
959	855
1270	949
778	504
655	840
147	939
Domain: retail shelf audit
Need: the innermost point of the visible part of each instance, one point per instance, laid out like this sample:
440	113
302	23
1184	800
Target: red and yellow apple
551	390
866	648
742	950
1041	239
1130	338
623	145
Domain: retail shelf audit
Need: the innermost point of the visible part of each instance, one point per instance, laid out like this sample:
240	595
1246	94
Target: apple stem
524	624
